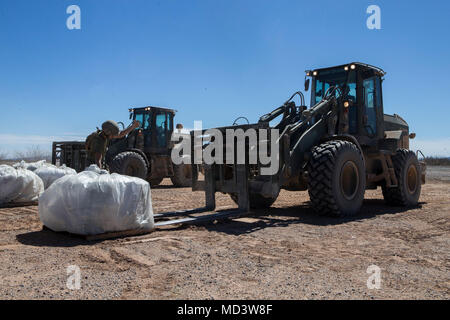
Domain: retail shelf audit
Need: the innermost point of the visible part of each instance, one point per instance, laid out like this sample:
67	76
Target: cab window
370	105
161	128
139	117
147	123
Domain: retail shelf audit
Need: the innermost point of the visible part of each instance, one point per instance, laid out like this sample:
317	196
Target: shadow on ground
283	217
49	238
272	217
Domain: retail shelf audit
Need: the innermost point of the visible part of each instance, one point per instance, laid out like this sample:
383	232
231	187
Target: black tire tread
320	171
177	179
118	161
396	196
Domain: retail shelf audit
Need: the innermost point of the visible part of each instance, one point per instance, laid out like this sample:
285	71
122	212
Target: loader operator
97	142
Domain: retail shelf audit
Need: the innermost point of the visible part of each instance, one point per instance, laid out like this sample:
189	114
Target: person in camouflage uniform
97	142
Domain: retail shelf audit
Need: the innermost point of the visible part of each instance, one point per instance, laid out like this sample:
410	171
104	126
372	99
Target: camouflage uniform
97	142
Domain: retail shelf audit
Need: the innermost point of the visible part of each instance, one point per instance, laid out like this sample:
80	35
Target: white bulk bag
90	203
19	185
95	168
51	173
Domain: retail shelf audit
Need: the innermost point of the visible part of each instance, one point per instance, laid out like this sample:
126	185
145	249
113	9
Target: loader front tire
336	178
129	163
182	175
407	171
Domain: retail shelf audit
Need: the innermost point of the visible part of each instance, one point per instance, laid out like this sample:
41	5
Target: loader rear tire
337	178
407	171
182	175
257	201
129	163
155	181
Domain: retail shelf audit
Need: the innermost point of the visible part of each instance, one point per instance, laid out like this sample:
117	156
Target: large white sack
32	166
19	185
90	203
51	173
95	168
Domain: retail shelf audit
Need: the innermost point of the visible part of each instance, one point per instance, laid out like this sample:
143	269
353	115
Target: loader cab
156	128
362	89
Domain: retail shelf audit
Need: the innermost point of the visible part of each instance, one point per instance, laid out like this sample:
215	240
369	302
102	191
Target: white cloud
436	147
11	143
13	139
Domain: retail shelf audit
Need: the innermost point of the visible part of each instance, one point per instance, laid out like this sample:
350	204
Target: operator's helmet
111	128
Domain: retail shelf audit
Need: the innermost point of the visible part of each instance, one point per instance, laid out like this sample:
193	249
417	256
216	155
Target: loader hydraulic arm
313	125
288	108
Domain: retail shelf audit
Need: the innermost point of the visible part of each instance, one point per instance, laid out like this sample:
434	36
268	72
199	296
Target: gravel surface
286	252
438	173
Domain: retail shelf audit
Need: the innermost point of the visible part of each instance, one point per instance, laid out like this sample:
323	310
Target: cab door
160	130
370	107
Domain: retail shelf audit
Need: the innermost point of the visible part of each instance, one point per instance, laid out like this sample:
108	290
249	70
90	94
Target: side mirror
307	84
131	115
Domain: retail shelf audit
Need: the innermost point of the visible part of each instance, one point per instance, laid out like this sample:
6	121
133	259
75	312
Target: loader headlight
346	104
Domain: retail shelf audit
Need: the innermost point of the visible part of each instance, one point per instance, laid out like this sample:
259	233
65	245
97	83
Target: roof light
346	68
315	73
353	67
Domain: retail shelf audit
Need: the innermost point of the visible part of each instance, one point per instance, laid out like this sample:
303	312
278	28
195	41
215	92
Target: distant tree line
34	153
437	161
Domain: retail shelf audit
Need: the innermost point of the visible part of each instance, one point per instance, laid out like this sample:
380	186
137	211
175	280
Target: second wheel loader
145	152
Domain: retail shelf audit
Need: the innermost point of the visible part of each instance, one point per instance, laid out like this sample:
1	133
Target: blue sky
212	60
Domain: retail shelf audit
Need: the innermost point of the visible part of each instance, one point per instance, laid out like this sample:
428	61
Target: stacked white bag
51	173
19	185
92	203
32	166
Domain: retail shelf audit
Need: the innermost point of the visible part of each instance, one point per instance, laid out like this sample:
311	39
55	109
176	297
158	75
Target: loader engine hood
395	122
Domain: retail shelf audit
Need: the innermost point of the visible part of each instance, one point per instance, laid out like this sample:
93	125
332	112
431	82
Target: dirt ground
286	252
